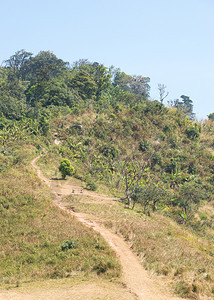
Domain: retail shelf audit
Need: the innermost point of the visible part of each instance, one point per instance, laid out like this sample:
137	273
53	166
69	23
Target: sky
170	41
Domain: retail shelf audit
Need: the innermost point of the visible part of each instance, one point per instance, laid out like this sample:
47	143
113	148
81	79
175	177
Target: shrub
66	168
172	167
182	288
192	133
109	151
144	146
90	185
69	245
156	159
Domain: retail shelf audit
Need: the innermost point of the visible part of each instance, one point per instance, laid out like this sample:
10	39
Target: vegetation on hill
157	159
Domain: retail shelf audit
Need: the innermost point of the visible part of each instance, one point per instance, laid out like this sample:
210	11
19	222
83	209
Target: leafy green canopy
66	168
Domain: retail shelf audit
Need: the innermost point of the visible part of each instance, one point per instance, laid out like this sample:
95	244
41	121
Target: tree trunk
128	198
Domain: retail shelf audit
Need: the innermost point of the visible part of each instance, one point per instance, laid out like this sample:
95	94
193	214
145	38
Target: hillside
156	160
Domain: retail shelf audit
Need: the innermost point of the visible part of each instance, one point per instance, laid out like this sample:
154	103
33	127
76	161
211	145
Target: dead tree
162	92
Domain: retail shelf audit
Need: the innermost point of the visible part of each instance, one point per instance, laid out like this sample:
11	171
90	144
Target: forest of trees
28	83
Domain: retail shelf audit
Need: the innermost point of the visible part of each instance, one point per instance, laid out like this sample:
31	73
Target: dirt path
134	275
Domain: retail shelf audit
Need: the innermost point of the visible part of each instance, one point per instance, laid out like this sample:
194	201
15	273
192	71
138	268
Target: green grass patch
33	232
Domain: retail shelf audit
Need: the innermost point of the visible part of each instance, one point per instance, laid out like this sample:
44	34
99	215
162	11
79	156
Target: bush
66	168
90	185
182	288
68	245
144	146
192	133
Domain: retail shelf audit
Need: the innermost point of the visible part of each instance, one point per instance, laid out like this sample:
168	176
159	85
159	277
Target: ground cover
38	240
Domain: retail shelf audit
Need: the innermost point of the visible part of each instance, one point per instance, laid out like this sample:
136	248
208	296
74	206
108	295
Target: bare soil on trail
92	290
136	280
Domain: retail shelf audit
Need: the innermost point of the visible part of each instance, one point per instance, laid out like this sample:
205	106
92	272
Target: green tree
149	197
102	78
46	62
98	72
211	116
185	105
136	84
190	196
57	93
17	62
84	83
66	168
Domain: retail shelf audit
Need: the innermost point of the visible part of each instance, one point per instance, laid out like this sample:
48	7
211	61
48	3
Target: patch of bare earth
66	289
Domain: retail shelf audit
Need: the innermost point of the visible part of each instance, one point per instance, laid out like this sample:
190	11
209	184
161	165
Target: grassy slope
164	247
33	230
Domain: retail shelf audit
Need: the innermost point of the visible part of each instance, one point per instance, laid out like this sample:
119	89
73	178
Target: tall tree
84	83
16	63
185	105
162	92
136	84
46	61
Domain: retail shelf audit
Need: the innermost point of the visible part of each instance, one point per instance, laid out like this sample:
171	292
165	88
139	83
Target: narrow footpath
134	276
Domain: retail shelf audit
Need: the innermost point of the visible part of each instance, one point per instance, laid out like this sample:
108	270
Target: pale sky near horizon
170	41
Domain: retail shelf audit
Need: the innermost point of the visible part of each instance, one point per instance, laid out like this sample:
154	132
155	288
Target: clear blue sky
171	41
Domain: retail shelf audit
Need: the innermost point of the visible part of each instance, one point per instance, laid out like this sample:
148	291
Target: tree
84	83
162	92
211	116
136	84
185	105
102	78
46	62
149	196
57	93
17	62
132	172
66	168
98	73
190	196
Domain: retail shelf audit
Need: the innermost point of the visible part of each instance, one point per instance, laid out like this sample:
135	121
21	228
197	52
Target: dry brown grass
165	248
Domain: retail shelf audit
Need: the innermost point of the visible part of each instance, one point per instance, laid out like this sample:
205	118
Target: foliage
150	197
144	146
211	116
192	132
185	105
119	141
71	244
66	168
190	196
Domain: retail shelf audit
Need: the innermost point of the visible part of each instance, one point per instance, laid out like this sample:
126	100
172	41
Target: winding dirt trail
134	276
